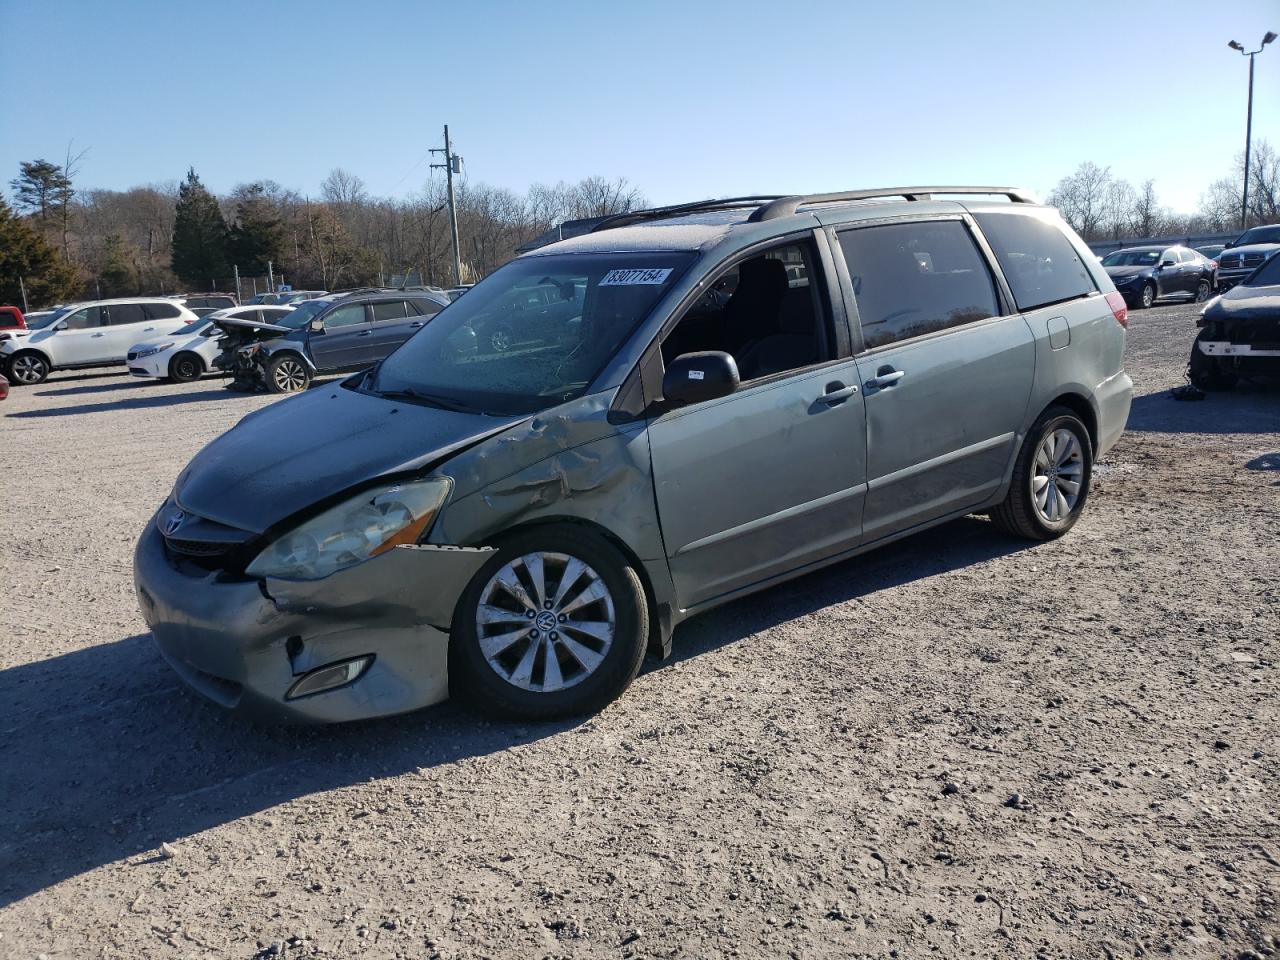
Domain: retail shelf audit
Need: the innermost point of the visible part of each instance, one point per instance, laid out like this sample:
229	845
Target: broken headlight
353	531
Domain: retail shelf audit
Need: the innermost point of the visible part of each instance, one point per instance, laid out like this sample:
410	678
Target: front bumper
1225	348
1227	279
156	366
243	644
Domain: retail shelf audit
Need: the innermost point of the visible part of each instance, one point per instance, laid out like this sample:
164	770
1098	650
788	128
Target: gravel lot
782	787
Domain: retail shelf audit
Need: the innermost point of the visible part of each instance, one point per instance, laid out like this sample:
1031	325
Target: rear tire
28	368
186	367
1208	373
1050	479
509	662
287	373
1203	289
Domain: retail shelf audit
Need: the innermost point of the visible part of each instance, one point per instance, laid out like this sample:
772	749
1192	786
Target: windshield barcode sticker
627	278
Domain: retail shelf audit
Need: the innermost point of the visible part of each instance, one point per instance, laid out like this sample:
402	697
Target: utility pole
237	269
1248	125
452	164
271	277
23	287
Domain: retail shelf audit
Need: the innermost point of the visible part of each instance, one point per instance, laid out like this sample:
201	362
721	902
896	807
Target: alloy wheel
290	377
1148	295
1056	479
28	369
545	622
1202	291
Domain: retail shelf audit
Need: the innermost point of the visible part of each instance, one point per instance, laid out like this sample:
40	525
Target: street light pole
1248	125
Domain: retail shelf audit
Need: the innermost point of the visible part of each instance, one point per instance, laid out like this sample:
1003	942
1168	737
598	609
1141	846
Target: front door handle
416	324
837	393
365	333
885	377
99	334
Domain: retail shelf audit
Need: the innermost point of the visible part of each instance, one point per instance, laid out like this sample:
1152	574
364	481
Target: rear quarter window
161	311
1038	260
125	313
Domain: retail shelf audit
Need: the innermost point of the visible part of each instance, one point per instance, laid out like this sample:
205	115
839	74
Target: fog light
330	677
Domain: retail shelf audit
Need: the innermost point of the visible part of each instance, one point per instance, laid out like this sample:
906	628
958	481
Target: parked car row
168	338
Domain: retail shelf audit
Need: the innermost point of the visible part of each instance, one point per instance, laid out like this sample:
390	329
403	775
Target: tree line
1100	206
68	243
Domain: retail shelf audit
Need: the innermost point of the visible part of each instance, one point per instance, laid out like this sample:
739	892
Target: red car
11	319
4	387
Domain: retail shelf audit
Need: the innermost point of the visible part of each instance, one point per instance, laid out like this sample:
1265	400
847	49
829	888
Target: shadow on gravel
951	546
104	754
139	382
1248	409
130	403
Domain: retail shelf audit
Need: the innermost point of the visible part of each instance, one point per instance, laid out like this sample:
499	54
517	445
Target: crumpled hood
299	451
1245	303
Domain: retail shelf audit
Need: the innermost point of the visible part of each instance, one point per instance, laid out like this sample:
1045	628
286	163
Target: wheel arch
1078	404
661	612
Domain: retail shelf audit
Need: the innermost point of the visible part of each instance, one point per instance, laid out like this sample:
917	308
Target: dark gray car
745	391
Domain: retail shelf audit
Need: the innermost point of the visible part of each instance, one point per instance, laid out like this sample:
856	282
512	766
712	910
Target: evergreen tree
199	235
41	188
258	234
115	278
24	253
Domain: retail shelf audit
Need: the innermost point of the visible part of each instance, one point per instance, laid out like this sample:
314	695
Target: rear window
1039	262
161	311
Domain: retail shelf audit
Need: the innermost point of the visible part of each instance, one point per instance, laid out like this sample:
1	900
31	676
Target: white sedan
187	354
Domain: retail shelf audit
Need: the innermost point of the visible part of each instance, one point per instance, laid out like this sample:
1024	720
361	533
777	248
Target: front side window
767	312
912	279
1039	262
345	316
1267	234
532	335
84	318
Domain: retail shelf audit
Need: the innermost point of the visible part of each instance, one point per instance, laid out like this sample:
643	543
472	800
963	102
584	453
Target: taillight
1119	309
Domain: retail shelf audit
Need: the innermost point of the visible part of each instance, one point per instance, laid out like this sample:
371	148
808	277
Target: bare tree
1147	214
1081	198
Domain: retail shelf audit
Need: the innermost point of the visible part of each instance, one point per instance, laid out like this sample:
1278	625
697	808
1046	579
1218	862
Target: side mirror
694	377
1167	263
316	325
62	325
1229	245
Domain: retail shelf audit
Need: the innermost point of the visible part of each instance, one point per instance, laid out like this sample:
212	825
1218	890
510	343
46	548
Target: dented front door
760	482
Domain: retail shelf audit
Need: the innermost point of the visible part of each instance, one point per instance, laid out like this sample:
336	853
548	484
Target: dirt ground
960	746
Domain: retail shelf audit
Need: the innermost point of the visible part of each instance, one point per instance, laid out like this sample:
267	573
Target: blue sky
686	99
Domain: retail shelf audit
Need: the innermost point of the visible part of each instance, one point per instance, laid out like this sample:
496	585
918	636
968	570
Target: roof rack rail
657	213
785	206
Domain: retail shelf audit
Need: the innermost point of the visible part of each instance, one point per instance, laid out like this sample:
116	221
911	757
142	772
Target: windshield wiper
431	399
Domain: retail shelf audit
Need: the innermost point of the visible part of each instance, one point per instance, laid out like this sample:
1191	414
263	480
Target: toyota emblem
174	521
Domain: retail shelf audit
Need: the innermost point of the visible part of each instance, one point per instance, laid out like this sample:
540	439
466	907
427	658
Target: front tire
1148	295
288	373
555	624
186	367
1206	372
28	368
1050	480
